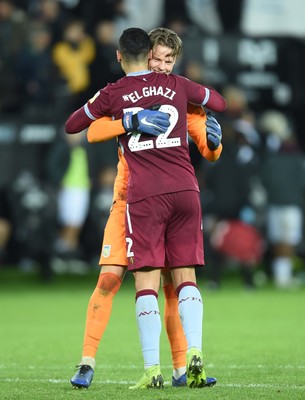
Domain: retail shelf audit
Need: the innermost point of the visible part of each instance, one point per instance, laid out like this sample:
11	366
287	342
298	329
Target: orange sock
98	312
174	329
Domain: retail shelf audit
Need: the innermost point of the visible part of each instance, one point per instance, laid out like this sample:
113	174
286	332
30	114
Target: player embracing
167	47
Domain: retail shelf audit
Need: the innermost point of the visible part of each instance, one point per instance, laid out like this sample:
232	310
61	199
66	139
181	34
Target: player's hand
146	121
213	132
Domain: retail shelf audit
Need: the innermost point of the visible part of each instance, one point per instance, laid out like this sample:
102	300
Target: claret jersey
157	165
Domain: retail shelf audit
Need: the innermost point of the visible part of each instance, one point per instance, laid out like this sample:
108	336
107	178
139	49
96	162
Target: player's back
156	164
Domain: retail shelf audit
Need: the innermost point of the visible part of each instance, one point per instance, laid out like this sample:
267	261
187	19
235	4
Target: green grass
254	342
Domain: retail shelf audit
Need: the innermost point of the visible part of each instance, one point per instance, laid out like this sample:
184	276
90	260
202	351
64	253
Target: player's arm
196	122
95	108
104	128
151	122
213	100
77	121
203	95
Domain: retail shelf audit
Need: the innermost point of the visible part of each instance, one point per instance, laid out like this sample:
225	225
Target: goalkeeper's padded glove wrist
130	122
212	146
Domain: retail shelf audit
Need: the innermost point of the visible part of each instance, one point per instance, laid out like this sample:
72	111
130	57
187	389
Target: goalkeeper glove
147	121
213	132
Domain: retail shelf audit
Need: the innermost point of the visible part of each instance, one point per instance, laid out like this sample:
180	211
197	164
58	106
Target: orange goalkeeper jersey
105	128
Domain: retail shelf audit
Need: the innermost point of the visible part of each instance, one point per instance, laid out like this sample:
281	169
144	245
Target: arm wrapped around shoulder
77	121
214	101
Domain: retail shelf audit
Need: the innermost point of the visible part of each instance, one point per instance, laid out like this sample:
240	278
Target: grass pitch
254	342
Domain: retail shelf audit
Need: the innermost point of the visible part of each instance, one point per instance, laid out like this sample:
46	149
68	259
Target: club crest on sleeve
106	250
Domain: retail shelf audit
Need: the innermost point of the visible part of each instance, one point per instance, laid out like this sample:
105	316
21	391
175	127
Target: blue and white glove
213	132
146	121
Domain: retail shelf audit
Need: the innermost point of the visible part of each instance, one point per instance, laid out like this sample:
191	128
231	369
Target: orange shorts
114	242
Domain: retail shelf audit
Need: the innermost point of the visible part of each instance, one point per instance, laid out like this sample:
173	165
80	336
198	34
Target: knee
108	283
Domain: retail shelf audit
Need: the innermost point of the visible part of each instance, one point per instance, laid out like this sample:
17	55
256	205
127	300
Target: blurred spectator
175	10
35	71
5	223
101	201
145	14
194	71
51	14
68	170
104	68
93	11
33	210
283	176
228	197
13	28
237	102
229	192
73	56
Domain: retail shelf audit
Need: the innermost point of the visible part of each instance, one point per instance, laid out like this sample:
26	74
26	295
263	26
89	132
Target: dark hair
134	44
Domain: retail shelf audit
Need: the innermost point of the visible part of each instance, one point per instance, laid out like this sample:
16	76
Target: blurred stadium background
252	51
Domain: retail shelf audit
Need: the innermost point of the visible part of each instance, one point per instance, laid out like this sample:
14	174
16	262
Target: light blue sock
149	328
190	307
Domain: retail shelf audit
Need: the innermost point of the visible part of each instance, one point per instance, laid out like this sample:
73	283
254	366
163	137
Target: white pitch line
121	382
168	367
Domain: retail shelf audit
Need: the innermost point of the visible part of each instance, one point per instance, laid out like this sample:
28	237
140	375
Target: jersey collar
146	72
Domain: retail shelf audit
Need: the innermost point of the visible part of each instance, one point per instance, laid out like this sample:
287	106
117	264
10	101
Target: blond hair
168	38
